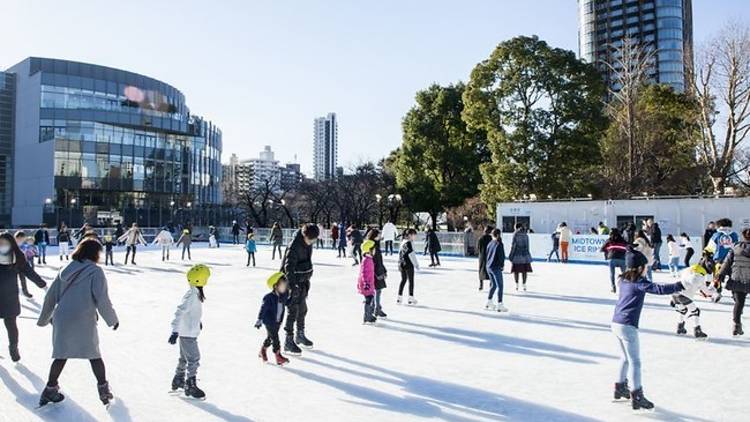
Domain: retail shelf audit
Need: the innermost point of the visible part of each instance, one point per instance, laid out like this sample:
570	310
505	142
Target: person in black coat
41	240
297	268
433	246
236	229
736	266
12	264
272	315
482	243
709	233
380	271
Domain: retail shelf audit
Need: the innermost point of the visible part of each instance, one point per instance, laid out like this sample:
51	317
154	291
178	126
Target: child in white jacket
187	326
165	240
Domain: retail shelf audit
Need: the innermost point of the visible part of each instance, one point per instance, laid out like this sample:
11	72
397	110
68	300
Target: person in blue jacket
495	262
722	241
633	288
342	241
272	315
250	248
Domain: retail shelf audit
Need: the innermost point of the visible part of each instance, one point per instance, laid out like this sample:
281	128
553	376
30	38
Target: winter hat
367	246
274	279
198	275
635	259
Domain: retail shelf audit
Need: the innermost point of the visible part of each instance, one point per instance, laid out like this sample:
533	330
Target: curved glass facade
122	143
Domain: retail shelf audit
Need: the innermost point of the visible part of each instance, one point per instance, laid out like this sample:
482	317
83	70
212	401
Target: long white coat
164	238
187	317
389	231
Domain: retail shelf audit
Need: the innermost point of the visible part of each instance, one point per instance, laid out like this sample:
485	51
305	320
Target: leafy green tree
437	166
542	109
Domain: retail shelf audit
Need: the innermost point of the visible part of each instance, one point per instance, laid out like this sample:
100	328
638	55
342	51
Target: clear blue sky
262	70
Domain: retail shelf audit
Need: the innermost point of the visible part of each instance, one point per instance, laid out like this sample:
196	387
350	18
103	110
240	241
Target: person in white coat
165	240
389	237
186	326
132	238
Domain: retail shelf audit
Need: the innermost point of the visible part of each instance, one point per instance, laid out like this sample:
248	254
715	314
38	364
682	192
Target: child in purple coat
366	281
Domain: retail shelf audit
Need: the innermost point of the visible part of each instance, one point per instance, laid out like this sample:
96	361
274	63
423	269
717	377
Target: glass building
97	144
665	26
7	90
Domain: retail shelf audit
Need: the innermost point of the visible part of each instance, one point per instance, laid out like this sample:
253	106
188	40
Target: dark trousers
319	243
250	255
272	339
109	257
185	248
407	274
342	251
24	285
334	242
297	308
274	251
12	328
235	238
389	247
657	255
42	257
554	252
97	366
739	304
369	308
127	254
688	254
434	258
357	251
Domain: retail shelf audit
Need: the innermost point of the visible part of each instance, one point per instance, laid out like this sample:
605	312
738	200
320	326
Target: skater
250	248
342	242
736	266
602	229
565	236
29	252
109	244
389	236
236	229
519	256
433	245
720	244
366	282
482	243
380	271
614	250
118	233
297	268
495	263
355	240
272	315
334	236
73	304
709	233
407	264
629	233
555	236
320	243
41	240
674	256
276	239
683	301
12	264
656	240
643	245
688	247
213	237
186	239
186	326
132	238
633	289
63	241
165	240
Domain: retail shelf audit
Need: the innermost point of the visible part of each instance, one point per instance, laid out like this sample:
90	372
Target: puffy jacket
380	271
565	234
495	255
187	317
250	246
615	249
519	248
164	238
737	267
433	243
41	236
366	280
132	237
389	231
272	309
297	262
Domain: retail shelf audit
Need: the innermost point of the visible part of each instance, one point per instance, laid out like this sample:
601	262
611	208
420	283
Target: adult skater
213	237
77	295
12	264
482	243
276	239
320	243
355	240
683	301
165	240
186	239
673	248
602	229
41	240
720	244
380	271
555	237
342	241
407	264
633	289
389	236
687	246
654	233
63	240
565	236
519	256
132	238
433	246
737	267
643	245
709	233
236	229
298	269
334	235
494	266
614	250
629	233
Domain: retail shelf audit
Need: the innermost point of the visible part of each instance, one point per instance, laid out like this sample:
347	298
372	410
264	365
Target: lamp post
70	211
394	203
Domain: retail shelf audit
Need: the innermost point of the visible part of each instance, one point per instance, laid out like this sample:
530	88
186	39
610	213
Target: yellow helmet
198	275
367	246
273	279
186	231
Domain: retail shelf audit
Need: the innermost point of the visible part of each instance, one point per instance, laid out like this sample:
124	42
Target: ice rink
552	358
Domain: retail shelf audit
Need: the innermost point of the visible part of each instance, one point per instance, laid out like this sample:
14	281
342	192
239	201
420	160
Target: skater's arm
661	289
29	272
181	309
100	292
413	258
50	301
726	267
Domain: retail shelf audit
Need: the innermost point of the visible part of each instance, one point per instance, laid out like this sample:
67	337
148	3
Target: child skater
272	315
380	271
674	255
366	281
165	240
407	263
633	288
250	248
683	301
187	326
109	243
29	252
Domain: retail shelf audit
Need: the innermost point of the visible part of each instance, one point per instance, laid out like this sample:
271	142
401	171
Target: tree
438	162
542	111
722	86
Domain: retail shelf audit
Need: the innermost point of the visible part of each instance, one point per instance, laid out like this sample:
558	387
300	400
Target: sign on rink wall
586	247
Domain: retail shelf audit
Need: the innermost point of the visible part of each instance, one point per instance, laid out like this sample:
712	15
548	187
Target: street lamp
70	211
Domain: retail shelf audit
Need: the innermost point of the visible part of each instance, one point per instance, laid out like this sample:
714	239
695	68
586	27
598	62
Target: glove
173	338
116	326
258	324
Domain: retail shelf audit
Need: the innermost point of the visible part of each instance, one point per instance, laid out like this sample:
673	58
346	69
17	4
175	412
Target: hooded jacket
187	317
366	280
297	262
737	267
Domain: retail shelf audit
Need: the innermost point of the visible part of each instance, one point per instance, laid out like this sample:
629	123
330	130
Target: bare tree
722	87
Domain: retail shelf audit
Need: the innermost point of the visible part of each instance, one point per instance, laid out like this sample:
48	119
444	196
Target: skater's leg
437	257
253	255
54	371
410	274
612	266
524	276
132	258
693	313
24	285
739	304
688	255
191	354
630	344
190	258
493	285
515	277
499	285
403	282
127	254
97	365
12	328
248	260
302	312
368	308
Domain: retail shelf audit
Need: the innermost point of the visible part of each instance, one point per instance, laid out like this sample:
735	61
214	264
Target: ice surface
551	359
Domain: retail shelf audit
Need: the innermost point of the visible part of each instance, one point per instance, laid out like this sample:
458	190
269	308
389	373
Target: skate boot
681	328
192	390
51	395
263	354
524	287
400	300
303	341
699	334
380	314
639	401
178	382
489	306
26	294
105	394
370	321
500	308
621	391
281	360
14	355
738	330
412	301
291	347
516	286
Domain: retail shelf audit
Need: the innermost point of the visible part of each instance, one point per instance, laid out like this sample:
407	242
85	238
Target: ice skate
291	347
51	395
489	306
105	394
639	401
263	354
303	341
412	301
281	360
681	328
178	382
370	321
737	330
400	300
621	391
500	308
699	334
380	314
524	287
14	355
192	390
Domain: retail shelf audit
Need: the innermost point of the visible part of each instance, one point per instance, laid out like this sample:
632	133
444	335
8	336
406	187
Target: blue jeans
630	363
42	247
496	283
615	263
674	262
